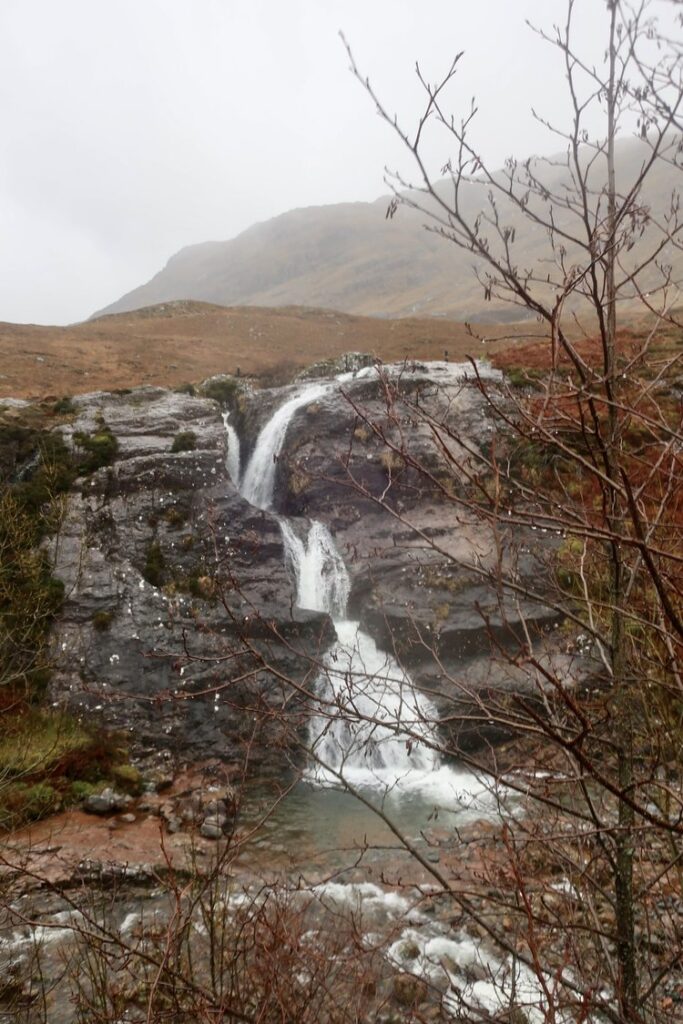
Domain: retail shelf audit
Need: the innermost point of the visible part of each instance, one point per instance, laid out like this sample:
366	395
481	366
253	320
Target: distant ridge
350	257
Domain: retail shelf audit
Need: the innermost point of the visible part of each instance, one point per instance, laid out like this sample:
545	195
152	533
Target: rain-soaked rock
180	624
214	826
142	643
106	802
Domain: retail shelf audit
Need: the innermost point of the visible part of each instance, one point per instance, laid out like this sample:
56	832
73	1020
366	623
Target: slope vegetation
173	343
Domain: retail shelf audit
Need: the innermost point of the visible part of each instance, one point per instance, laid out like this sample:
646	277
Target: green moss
184	441
100	449
155	565
102	621
127	778
80	790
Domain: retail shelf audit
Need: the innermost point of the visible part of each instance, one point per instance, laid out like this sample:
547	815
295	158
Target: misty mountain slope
351	258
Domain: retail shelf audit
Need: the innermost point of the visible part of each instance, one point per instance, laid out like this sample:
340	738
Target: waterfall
232	458
259	476
372	728
322	582
370	719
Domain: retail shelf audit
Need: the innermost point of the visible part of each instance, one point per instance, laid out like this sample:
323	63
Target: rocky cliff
174	587
179	623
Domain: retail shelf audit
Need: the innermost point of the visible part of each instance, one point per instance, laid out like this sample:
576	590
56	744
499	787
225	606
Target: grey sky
133	127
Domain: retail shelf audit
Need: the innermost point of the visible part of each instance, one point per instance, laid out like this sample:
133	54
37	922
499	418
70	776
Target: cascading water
370	719
372	728
232	458
322	581
259	476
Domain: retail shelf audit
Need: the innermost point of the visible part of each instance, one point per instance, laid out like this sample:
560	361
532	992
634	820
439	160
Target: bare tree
593	454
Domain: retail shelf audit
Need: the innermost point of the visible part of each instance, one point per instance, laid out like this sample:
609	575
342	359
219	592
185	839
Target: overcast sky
131	128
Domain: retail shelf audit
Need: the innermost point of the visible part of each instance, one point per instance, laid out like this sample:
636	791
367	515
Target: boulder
106	802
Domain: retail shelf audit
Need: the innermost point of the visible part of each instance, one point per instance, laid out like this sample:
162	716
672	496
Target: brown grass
174	343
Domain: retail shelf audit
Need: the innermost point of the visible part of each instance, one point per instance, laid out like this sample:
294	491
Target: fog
131	128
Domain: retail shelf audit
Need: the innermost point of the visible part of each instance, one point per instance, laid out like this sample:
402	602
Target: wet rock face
173	584
431	596
177	592
361	441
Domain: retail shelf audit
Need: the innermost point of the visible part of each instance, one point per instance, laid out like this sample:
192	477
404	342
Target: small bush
299	481
279	374
523	377
223	390
185	441
100	449
155	565
391	461
22	803
63	406
175	517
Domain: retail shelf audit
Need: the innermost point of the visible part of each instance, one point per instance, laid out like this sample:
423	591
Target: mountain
352	258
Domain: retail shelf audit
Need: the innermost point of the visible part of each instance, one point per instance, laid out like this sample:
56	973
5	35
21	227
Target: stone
105	802
213	827
409	990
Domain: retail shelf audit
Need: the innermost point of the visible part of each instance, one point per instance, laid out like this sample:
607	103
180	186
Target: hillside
350	257
178	342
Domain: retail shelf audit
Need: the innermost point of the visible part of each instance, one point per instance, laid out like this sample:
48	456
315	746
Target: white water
322	581
259	476
372	727
232	458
